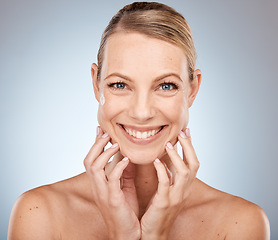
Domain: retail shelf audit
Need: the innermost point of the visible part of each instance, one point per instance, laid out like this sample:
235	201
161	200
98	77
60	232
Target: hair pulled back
154	20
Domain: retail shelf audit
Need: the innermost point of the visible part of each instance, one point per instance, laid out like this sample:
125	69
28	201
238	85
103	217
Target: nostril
142	114
142	108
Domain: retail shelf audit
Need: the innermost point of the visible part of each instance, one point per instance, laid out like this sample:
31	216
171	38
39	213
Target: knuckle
112	178
184	172
196	165
85	162
94	169
165	182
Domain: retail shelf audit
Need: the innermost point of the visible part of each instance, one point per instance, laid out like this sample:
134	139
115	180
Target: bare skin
153	193
66	210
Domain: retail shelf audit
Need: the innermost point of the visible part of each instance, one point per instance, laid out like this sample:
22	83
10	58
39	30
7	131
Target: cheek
178	116
107	112
176	111
183	117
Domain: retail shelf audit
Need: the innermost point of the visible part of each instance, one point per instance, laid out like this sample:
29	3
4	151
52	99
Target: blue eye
168	86
118	85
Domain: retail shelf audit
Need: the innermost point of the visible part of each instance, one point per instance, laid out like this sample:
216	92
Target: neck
145	180
146	185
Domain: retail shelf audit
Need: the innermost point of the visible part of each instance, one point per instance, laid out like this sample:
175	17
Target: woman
145	82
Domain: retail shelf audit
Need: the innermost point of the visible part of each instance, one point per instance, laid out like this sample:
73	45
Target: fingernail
98	130
182	134
157	160
187	132
105	135
169	145
114	145
125	159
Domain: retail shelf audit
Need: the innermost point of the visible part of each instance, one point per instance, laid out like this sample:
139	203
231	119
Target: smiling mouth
142	134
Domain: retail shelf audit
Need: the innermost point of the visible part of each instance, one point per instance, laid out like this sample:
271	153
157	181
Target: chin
143	156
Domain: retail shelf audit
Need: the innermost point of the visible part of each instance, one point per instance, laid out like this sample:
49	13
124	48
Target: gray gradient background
48	111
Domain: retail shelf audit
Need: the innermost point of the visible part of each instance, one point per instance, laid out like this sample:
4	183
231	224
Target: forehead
136	54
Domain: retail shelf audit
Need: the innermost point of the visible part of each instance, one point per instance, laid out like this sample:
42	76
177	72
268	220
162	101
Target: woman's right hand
117	204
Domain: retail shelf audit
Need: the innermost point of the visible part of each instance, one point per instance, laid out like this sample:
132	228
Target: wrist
154	238
132	236
151	236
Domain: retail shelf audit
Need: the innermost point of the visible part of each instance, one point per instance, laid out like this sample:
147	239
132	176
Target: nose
142	108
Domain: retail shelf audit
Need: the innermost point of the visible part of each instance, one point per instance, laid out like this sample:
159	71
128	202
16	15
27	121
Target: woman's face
147	92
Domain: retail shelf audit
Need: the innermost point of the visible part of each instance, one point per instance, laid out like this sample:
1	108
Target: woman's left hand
169	199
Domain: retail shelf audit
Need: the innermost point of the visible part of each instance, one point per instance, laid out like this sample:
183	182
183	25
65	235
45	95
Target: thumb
128	177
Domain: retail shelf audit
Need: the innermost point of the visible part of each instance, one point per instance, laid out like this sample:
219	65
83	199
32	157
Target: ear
94	71
194	86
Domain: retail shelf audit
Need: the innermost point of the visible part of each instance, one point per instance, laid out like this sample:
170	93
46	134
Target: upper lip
142	128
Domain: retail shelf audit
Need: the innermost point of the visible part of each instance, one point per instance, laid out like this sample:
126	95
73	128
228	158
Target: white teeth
138	135
144	135
141	135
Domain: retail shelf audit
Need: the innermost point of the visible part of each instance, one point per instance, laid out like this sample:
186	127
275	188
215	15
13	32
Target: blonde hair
154	20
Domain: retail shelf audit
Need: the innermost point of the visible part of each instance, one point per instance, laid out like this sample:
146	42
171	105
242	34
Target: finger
175	158
96	149
128	177
189	154
99	131
96	170
98	165
163	180
182	171
169	169
114	184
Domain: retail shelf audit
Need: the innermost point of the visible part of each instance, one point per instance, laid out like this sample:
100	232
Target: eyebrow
115	74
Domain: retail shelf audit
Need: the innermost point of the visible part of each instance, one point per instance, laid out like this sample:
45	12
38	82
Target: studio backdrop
48	109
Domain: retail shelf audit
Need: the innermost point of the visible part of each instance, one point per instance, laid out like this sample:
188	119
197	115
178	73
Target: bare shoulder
239	219
31	210
247	221
37	213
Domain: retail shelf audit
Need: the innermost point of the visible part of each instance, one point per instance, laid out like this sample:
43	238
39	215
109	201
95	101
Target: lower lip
142	141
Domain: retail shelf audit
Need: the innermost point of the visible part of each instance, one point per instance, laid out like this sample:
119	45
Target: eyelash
175	86
113	85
